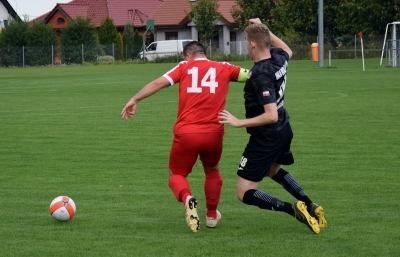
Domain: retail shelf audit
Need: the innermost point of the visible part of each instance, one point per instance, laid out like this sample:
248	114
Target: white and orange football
62	208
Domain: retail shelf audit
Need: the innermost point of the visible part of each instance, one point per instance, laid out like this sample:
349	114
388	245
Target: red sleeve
234	71
175	73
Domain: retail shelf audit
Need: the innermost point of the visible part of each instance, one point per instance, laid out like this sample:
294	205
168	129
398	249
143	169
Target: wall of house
221	43
183	33
240	36
3	14
54	21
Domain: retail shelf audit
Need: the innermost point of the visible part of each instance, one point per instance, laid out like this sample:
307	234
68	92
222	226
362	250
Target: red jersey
203	86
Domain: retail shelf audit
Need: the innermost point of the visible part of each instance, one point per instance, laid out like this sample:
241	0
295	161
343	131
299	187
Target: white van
164	48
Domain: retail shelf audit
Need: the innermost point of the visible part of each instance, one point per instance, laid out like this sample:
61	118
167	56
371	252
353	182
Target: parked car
164	48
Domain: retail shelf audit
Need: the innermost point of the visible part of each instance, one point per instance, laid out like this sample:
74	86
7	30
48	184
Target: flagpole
362	49
362	53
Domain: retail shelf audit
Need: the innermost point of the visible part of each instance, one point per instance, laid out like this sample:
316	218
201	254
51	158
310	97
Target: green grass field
61	134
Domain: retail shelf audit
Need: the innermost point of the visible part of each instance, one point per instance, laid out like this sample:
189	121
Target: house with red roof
170	18
171	22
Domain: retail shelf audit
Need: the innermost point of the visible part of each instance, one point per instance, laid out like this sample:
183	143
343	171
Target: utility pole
320	33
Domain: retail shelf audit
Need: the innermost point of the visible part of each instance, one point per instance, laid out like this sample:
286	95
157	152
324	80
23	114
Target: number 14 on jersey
207	81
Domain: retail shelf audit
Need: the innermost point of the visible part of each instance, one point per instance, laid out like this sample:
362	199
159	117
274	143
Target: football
62	208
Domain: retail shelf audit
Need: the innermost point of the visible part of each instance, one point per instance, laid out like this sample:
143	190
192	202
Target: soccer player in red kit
203	86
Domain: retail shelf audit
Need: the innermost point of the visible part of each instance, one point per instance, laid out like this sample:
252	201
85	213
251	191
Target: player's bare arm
278	43
269	116
148	90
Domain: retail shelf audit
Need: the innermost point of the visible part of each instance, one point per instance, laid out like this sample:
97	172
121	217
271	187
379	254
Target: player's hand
255	21
227	117
129	109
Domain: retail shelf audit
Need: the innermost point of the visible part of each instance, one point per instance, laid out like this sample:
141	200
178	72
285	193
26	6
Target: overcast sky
34	8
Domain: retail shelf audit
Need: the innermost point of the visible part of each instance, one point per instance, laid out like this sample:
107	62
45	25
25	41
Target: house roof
174	12
163	12
225	7
10	9
137	11
120	11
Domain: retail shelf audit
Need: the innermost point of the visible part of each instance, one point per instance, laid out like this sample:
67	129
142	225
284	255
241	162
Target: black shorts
264	150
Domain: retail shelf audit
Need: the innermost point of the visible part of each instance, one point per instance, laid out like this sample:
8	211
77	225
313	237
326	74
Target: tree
107	32
129	41
39	38
137	42
119	48
108	35
397	10
270	13
351	16
150	39
11	42
341	17
79	33
302	16
205	15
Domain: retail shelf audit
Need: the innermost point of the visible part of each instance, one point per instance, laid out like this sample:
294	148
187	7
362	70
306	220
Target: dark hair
194	47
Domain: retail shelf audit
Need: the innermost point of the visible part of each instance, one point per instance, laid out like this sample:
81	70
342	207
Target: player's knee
274	169
210	169
239	194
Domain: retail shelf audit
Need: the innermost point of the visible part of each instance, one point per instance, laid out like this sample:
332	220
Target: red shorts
187	147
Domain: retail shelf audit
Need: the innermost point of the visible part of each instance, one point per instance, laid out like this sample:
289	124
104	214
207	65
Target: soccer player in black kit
267	122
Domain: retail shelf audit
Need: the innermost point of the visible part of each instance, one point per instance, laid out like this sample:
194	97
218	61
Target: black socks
287	181
266	201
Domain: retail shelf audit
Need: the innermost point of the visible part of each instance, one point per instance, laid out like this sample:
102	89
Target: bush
128	41
80	33
106	59
11	42
39	39
137	43
108	35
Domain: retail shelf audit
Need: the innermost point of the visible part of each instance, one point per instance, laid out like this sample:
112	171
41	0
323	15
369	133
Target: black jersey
266	84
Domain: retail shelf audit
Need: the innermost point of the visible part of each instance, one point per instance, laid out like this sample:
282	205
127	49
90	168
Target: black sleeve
264	88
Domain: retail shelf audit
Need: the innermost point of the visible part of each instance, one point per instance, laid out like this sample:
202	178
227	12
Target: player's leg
288	182
210	156
254	166
183	156
281	176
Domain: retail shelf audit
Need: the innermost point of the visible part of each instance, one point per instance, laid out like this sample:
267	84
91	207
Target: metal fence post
355	46
329	58
52	56
83	59
210	50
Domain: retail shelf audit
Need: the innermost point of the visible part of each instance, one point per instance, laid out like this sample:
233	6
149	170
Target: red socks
180	187
212	190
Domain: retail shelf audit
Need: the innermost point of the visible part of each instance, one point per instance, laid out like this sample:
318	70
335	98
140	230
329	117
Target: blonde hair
259	34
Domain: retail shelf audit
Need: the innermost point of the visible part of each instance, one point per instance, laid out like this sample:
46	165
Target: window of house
60	21
232	36
171	35
5	23
215	40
